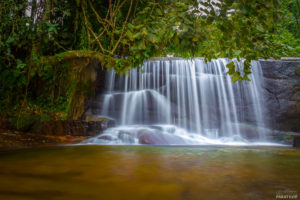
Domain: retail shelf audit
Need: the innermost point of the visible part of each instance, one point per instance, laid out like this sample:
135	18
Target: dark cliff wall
282	93
93	102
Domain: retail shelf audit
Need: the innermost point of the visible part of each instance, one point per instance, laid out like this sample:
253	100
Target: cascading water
178	101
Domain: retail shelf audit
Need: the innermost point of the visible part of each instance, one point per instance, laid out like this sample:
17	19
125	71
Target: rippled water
148	172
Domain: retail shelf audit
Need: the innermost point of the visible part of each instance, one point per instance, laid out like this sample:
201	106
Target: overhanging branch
69	55
105	60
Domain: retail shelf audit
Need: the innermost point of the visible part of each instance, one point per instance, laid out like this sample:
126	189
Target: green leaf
158	11
144	31
20	64
10	40
236	76
231	67
32	73
130	35
246	78
138	35
260	28
152	38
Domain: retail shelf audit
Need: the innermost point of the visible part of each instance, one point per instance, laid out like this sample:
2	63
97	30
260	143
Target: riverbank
16	139
34	133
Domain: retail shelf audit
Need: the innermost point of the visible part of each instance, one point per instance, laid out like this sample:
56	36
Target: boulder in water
158	138
246	131
127	137
105	137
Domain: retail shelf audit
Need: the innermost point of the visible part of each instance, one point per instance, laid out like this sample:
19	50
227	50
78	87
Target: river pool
150	172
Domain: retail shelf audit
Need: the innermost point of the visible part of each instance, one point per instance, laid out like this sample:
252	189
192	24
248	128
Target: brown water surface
149	172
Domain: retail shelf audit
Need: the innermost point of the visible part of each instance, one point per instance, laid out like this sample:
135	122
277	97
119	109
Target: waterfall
184	102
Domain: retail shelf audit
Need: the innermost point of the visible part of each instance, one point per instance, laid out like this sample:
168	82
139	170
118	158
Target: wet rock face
282	94
296	141
74	127
97	73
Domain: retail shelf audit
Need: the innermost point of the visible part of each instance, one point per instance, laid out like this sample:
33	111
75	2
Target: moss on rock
23	122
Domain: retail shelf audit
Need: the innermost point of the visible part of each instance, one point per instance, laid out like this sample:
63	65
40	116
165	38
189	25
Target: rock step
296	141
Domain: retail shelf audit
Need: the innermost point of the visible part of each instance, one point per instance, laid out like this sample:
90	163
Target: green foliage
22	122
289	29
123	34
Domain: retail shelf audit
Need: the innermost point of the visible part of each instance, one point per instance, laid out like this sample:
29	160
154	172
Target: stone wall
74	127
282	93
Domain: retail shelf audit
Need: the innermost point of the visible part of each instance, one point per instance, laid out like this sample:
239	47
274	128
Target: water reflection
145	172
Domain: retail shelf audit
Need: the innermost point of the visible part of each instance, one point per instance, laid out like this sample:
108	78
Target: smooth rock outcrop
282	94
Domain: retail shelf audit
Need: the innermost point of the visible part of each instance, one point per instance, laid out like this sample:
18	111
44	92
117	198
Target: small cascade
193	100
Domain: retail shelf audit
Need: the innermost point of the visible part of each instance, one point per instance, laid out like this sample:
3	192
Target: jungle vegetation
46	44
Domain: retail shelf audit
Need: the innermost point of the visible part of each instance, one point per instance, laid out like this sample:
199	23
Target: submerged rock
127	137
137	135
105	137
158	138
